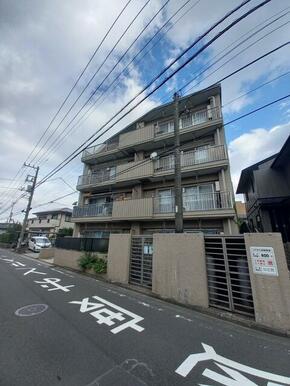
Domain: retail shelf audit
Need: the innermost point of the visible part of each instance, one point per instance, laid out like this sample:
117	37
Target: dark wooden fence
83	244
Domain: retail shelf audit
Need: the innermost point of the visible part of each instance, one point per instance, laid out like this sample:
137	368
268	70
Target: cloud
254	146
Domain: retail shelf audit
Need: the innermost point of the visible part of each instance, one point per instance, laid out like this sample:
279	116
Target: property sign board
264	261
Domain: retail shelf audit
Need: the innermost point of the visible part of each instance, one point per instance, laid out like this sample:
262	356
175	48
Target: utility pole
11	212
177	165
28	204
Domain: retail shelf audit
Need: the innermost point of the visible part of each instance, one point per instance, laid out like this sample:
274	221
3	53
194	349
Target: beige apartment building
128	182
50	222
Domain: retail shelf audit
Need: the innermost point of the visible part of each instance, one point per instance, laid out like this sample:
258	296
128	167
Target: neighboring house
3	227
241	210
50	221
126	188
266	187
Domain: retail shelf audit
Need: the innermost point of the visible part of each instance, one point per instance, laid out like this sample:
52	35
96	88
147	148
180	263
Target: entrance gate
228	274
140	272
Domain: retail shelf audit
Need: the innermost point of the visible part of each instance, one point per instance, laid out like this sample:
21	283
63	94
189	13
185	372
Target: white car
38	242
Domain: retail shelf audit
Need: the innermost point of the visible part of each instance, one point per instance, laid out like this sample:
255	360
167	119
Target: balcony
102	149
192	160
209	159
93	210
195	202
144	138
102	177
44	223
207	205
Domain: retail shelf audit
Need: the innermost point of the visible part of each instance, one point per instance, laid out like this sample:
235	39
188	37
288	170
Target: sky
46	44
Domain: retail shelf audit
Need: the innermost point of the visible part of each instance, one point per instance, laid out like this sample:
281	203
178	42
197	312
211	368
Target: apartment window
186	121
164	127
54	216
165	201
199	198
67	218
194	118
32	221
39	221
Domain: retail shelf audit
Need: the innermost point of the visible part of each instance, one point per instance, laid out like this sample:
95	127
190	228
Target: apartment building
128	182
50	221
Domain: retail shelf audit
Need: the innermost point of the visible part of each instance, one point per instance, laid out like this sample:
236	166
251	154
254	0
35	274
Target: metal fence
140	272
92	210
83	244
229	282
195	202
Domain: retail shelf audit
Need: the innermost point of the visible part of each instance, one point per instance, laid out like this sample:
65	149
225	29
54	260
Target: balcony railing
193	157
98	149
195	202
98	178
93	210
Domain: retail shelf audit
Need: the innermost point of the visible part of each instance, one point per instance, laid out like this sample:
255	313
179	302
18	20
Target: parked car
36	243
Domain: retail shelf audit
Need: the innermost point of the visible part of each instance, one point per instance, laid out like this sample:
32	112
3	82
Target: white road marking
182	317
63	273
53	282
32	270
236	378
105	315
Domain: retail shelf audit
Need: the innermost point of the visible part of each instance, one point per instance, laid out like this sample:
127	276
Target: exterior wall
144	180
67	258
119	257
179	268
271	294
46	253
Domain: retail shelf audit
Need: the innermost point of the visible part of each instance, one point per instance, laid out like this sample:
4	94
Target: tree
12	233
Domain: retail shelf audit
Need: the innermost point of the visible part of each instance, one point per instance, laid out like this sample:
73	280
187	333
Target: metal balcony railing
195	202
98	149
93	210
193	157
97	178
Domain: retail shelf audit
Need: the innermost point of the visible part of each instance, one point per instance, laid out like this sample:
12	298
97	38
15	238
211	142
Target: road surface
78	331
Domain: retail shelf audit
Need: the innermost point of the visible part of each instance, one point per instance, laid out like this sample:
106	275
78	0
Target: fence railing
92	210
98	149
192	157
83	244
195	202
97	178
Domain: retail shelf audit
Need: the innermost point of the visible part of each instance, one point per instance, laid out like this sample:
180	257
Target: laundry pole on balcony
178	188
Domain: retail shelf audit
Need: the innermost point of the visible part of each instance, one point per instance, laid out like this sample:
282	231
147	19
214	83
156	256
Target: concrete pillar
179	268
271	292
76	232
119	257
135	228
137	191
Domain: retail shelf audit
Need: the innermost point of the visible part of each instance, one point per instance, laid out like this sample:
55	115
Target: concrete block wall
119	258
179	268
271	294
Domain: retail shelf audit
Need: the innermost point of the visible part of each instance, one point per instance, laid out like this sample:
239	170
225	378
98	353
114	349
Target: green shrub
100	266
91	261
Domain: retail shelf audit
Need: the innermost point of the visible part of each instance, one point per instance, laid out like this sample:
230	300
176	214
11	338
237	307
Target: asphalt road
120	337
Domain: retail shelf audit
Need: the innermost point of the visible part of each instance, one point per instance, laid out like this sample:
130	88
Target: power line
74	85
77	152
76	125
182	54
80	76
236	55
93	76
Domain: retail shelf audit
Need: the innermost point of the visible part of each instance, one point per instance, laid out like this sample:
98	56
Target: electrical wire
94	74
91	140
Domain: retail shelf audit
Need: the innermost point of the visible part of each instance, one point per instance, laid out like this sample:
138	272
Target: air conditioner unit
140	125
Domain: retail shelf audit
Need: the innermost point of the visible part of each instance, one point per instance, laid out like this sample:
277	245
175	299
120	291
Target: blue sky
44	46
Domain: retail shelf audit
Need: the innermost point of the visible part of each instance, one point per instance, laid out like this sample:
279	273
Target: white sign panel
264	261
